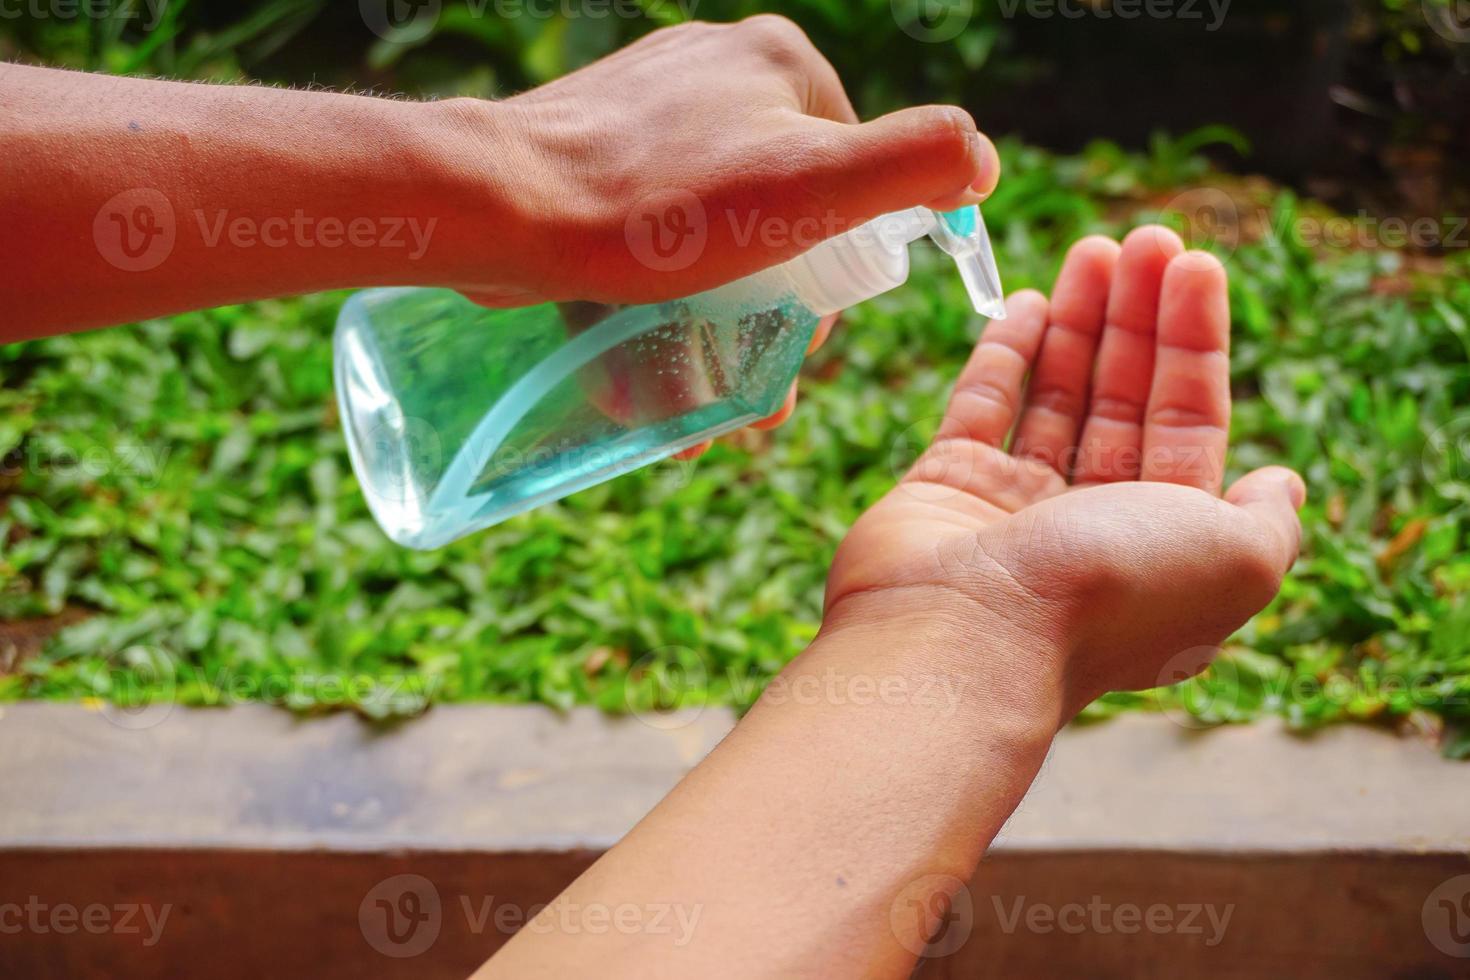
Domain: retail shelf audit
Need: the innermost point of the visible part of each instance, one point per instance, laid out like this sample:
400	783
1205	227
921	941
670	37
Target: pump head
873	258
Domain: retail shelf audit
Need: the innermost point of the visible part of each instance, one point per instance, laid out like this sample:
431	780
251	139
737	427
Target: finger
822	332
693	452
1057	395
781	415
501	298
987	395
953	202
906	158
1187	422
981	187
1111	443
1272	496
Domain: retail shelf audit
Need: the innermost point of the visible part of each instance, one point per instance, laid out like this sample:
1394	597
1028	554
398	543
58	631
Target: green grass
185	482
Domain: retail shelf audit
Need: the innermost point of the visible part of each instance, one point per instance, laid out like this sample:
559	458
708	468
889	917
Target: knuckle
775	35
1117	408
988	390
1259	568
955	126
1057	399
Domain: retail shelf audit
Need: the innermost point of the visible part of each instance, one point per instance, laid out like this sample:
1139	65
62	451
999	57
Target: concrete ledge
265	836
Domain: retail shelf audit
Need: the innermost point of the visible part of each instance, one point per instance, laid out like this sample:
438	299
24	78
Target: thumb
910	157
1273	495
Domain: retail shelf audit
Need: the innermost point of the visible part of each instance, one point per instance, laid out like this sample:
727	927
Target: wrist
476	172
1002	659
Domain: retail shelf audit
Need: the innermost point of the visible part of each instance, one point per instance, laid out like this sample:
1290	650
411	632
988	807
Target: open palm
1078	469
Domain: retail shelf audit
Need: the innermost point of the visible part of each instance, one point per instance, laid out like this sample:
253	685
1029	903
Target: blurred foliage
1410	30
178	491
498	47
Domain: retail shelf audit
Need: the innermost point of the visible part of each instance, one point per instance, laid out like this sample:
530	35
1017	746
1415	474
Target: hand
735	143
735	138
1101	530
538	197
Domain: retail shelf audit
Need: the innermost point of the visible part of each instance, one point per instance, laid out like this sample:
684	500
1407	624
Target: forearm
865	785
230	193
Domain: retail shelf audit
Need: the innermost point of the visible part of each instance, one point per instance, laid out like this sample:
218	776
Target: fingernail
1296	489
989	158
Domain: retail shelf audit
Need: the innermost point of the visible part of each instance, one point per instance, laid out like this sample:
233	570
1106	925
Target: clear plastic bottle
458	416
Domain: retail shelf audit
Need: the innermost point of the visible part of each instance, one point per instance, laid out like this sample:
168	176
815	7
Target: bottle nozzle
961	233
